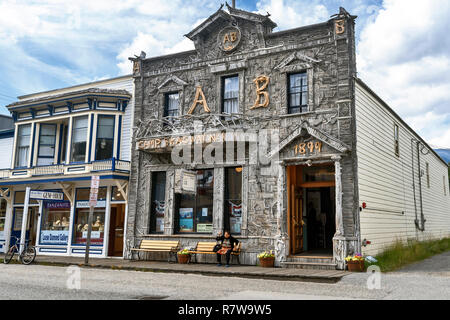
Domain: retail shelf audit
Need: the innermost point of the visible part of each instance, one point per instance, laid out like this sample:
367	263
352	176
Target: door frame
297	175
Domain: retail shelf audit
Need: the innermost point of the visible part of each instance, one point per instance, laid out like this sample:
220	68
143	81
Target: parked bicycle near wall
26	257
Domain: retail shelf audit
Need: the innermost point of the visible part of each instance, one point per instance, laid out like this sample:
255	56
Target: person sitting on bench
227	245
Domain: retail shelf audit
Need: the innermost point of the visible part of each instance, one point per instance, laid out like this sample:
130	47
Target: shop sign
55	237
166	142
94	234
308	148
57	205
205	228
45	195
85	204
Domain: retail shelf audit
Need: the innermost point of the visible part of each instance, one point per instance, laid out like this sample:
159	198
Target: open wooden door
295	211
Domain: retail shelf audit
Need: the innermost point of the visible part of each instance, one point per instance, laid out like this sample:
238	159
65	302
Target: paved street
426	280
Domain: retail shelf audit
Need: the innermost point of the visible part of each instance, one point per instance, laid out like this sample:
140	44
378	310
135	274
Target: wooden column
339	213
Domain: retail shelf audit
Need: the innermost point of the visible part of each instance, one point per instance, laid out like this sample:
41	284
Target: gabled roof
221	16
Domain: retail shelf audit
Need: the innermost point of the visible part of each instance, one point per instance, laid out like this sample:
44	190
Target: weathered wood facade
243	44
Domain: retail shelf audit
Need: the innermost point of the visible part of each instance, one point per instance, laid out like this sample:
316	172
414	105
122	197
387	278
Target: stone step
306	259
309	265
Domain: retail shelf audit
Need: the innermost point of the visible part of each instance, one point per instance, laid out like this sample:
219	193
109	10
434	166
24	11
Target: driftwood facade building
255	131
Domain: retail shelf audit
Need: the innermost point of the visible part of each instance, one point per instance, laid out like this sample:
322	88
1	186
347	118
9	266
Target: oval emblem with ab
229	38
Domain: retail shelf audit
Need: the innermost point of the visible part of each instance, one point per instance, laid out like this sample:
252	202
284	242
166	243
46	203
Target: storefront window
2	215
19	198
116	195
158	202
82	216
233	200
55	223
194	213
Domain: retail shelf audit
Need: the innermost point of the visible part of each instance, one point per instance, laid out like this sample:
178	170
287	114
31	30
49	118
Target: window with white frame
79	139
23	145
230	87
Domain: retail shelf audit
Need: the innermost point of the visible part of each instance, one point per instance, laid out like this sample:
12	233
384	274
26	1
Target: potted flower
355	263
266	259
184	256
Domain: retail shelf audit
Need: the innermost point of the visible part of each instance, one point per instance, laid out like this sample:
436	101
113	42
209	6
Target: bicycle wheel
9	255
28	255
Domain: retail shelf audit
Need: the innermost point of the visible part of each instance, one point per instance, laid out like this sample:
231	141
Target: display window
80	229
2	215
194	212
158	202
55	223
233	200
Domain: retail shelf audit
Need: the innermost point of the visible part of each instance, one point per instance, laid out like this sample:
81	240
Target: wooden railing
112	165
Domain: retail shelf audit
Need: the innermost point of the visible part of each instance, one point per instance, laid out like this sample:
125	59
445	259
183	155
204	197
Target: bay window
104	146
47	140
23	145
79	139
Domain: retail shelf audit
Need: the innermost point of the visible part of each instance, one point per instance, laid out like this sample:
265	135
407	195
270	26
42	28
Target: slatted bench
172	247
208	247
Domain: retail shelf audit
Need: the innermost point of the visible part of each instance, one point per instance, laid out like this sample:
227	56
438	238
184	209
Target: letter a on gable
199	99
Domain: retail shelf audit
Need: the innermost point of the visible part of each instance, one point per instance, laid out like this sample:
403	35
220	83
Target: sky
403	46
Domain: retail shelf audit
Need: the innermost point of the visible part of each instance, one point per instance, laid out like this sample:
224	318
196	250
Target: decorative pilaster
218	205
339	241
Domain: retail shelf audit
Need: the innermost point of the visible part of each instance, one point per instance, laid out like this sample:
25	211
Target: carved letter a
199	93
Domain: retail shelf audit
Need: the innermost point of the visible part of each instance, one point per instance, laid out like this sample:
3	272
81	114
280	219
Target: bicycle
26	257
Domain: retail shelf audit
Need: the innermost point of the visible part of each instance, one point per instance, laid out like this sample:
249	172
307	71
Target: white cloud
403	54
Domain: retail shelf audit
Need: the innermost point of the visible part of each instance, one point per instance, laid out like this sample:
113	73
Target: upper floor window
230	87
396	140
79	139
23	145
298	93
104	146
47	140
171	104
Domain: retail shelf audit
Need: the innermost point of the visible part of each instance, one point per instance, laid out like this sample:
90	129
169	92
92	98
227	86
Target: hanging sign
45	195
95	183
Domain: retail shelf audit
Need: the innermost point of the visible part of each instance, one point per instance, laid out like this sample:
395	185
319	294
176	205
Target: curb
277	277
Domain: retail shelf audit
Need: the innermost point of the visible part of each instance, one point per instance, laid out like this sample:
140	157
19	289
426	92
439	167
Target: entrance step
307	262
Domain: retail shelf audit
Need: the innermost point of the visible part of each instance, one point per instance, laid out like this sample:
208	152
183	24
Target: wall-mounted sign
163	143
309	147
45	195
229	39
199	99
262	96
186	181
339	26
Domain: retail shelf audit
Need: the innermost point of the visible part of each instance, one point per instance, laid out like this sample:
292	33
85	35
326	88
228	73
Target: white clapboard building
62	138
403	183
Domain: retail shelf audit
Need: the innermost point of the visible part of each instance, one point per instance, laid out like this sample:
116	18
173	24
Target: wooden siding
6	146
386	180
126	132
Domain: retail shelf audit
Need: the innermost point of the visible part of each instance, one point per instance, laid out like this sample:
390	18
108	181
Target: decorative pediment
305	129
296	61
172	79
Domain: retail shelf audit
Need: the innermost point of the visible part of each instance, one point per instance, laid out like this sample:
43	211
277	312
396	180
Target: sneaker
219	264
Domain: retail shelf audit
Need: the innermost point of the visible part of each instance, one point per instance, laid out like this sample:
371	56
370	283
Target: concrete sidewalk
256	272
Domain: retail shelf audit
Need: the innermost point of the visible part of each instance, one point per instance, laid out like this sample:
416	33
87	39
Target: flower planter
267	262
184	258
356	266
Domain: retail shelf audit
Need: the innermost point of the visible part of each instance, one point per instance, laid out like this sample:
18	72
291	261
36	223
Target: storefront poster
205	228
85	204
186	220
159	224
55	237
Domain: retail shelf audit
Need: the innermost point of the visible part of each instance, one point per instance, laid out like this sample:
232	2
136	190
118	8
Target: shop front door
31	226
295	211
116	230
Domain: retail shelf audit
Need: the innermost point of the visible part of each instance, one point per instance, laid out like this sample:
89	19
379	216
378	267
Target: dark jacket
233	241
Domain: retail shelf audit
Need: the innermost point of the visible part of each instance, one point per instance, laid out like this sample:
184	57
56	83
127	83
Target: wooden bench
208	247
172	247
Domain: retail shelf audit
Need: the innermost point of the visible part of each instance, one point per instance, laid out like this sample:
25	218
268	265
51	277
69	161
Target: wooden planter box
184	258
356	266
267	262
